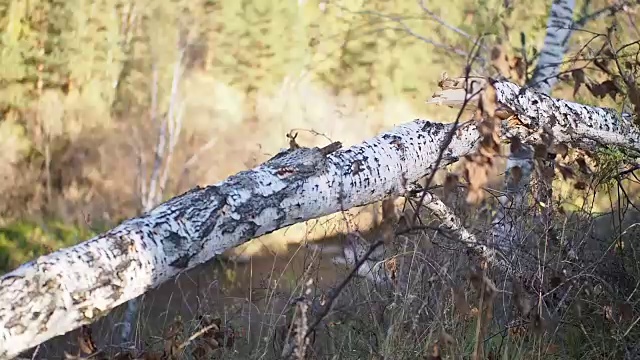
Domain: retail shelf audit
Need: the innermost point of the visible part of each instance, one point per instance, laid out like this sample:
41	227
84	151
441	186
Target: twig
341	287
196	335
612	9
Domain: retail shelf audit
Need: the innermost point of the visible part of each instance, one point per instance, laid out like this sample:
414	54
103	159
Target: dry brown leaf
391	266
580	185
85	341
518	332
479	166
566	172
560	149
515	175
540	151
582	165
460	301
477	176
607	87
578	79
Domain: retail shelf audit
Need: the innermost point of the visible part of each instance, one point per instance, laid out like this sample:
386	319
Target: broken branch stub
567	121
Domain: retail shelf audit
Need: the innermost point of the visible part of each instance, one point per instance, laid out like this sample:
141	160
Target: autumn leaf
460	301
560	149
85	341
580	185
566	172
578	80
450	184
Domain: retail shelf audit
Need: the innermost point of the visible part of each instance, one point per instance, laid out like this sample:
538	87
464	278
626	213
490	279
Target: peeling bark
568	122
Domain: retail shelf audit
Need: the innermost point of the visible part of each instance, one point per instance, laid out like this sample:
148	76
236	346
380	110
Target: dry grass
440	306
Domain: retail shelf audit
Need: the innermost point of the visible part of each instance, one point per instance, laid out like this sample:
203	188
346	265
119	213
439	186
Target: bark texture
556	40
71	287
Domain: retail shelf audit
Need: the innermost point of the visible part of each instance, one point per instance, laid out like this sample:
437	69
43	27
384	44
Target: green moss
23	241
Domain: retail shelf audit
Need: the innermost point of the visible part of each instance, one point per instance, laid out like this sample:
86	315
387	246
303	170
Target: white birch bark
554	48
505	226
59	292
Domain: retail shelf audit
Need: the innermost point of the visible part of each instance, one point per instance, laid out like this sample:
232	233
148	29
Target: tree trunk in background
533	173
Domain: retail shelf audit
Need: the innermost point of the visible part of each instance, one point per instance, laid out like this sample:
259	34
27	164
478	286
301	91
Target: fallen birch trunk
579	126
72	287
75	286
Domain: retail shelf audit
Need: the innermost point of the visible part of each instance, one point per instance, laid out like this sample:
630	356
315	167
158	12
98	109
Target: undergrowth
441	304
